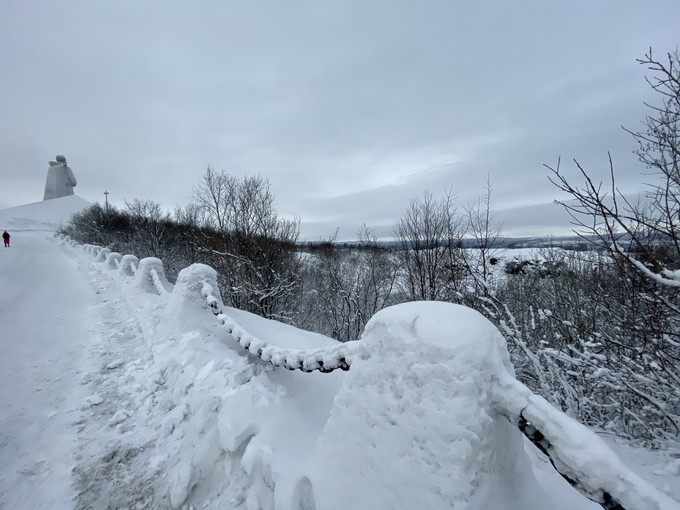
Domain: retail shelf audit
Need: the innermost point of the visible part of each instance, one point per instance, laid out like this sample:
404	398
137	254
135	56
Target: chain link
324	360
602	497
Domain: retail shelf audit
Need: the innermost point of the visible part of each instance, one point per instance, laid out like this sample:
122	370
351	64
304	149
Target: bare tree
213	196
642	240
149	225
348	285
485	230
644	234
429	236
250	245
379	273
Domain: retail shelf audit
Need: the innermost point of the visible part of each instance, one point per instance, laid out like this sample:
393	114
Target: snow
586	457
121	390
41	216
44	346
425	402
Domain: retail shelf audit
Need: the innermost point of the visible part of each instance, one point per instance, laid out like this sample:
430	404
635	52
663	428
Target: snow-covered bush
637	342
252	248
585	340
342	288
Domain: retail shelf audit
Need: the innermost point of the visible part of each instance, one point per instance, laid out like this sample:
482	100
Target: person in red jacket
5	237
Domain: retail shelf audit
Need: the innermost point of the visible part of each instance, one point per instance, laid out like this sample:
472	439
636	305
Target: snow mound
45	215
414	425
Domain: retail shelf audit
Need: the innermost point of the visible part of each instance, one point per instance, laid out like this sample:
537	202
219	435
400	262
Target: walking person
5	237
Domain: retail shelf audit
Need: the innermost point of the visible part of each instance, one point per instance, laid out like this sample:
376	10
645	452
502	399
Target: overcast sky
349	108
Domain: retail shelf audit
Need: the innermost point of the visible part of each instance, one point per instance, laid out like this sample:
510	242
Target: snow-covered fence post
150	276
190	288
113	260
418	399
128	265
101	255
432	391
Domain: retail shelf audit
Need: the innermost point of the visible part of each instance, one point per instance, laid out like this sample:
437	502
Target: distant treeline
573	243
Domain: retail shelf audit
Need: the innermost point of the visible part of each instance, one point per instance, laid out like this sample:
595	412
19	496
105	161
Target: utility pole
106	202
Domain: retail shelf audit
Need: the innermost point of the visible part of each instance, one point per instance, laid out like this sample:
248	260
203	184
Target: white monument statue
60	179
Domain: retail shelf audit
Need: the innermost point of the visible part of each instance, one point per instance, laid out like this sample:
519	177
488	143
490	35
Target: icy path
44	350
62	410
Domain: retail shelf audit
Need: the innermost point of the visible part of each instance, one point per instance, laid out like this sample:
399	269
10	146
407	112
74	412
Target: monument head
60	179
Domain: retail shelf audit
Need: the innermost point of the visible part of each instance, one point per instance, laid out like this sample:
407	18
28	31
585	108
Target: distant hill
45	215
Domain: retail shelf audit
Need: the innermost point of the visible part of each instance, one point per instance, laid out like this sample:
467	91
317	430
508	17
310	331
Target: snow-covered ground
41	216
116	393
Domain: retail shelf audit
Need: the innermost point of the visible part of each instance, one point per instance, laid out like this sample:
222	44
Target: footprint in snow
114	364
93	400
119	418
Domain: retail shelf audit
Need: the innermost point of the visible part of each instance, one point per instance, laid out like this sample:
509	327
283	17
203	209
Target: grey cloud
350	109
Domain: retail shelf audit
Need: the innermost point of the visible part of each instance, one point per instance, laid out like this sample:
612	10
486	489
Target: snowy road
70	375
43	297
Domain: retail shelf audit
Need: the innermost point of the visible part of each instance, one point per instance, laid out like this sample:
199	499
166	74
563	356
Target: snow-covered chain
324	360
538	439
157	281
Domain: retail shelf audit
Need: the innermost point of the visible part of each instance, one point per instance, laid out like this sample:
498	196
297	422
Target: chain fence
324	360
340	357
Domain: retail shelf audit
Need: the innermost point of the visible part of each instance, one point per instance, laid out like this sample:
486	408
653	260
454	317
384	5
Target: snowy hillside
121	390
45	215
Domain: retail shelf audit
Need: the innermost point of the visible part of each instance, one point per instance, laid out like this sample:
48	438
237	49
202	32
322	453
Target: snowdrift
427	416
